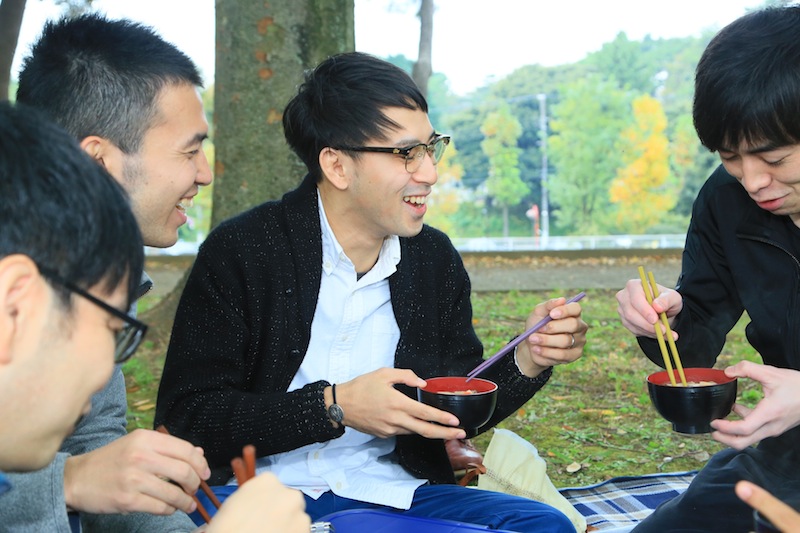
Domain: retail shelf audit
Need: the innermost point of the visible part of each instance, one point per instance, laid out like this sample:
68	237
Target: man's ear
19	290
332	163
105	153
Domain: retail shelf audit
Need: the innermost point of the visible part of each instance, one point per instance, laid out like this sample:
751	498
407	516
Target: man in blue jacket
742	254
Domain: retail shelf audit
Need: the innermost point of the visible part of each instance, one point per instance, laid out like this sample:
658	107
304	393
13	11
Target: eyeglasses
131	334
414	155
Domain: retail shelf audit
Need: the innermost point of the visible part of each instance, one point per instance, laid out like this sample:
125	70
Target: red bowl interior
692	374
456	383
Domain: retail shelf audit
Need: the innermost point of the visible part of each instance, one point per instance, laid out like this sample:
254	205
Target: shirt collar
333	253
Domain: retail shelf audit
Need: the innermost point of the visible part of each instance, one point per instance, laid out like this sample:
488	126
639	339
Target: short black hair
341	103
747	83
61	209
102	77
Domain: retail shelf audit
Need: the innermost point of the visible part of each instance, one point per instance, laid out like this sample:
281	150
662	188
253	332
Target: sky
474	41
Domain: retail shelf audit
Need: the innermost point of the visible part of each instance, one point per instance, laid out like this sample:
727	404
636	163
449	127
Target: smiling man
742	254
132	102
307	323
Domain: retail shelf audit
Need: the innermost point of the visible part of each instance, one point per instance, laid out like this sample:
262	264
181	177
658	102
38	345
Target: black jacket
739	258
244	322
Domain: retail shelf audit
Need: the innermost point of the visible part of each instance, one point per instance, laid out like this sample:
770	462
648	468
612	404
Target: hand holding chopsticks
650	296
517	340
203	485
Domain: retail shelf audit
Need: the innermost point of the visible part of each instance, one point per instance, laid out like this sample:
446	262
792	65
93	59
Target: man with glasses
131	100
70	261
307	323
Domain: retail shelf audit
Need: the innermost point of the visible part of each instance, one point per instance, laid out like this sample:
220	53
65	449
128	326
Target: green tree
501	131
623	60
586	126
691	162
643	191
444	200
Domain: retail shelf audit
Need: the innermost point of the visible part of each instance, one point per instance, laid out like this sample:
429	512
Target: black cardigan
243	327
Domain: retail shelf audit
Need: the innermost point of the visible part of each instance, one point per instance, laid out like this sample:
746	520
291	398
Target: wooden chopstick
203	485
249	455
659	335
670	341
244	468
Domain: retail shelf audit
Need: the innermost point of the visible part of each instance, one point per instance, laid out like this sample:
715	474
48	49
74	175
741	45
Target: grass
592	421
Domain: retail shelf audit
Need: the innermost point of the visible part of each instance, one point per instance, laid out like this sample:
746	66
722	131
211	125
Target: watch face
335	413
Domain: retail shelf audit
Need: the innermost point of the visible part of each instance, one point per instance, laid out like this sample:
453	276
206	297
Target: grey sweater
36	503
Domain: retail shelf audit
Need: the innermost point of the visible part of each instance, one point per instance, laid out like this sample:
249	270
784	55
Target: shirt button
339	485
316	455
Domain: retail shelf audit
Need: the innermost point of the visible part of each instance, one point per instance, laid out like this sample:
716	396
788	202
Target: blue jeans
448	502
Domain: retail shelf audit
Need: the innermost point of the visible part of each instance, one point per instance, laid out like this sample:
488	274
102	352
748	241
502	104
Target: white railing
516	244
575	242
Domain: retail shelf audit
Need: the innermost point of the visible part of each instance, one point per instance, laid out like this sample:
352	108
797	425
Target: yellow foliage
642	188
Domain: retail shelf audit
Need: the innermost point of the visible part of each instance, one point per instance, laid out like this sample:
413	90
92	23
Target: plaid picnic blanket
622	502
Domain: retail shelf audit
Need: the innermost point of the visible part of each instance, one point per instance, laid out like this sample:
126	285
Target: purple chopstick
511	345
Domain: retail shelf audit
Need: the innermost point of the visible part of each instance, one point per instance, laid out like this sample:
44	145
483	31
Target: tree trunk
262	50
423	68
505	221
11	12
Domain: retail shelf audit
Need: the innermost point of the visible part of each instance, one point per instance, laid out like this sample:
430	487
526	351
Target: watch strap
335	412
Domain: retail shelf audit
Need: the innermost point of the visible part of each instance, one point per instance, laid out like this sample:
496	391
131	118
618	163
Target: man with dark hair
741	254
307	323
70	261
71	258
131	100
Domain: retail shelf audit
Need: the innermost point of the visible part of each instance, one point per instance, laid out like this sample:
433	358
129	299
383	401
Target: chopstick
659	335
517	340
244	468
203	485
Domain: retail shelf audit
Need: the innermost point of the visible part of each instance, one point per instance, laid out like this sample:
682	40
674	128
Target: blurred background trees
622	155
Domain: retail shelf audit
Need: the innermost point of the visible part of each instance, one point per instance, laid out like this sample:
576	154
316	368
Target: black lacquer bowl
692	408
472	402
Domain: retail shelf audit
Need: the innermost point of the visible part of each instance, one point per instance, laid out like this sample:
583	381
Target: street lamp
545	214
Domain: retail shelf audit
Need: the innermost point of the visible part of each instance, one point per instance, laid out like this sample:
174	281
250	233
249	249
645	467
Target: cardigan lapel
301	217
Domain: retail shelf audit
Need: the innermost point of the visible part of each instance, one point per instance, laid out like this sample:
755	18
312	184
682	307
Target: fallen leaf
701	456
573	467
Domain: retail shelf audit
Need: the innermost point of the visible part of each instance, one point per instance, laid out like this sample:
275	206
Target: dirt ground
517	271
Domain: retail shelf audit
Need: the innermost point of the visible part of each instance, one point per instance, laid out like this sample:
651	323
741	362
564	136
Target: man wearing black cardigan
307	323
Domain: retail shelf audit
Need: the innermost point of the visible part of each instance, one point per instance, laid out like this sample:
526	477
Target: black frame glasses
413	155
128	338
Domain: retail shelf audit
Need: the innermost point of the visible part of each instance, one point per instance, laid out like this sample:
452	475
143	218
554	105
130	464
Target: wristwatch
335	412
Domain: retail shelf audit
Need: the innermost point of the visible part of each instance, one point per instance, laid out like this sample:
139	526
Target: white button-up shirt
354	332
